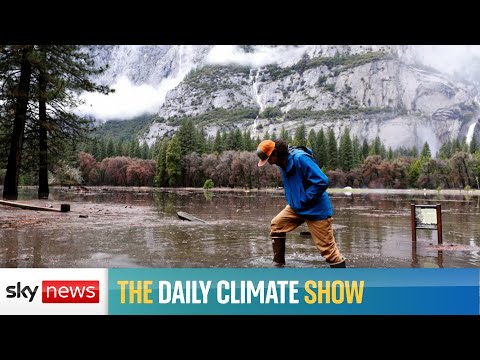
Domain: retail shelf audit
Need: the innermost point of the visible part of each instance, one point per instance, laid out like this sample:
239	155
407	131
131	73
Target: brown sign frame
426	217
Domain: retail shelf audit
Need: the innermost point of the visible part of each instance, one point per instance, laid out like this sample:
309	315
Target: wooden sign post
426	217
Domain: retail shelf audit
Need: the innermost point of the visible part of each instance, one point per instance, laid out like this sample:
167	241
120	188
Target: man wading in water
305	187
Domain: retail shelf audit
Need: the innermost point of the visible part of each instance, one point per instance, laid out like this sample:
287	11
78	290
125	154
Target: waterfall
256	96
471	128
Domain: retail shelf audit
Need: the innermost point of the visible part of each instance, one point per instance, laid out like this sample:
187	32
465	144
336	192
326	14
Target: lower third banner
293	291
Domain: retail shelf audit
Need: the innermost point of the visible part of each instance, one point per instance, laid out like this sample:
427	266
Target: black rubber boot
278	245
339	265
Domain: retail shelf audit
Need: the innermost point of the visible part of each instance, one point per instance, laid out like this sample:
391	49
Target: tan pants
321	230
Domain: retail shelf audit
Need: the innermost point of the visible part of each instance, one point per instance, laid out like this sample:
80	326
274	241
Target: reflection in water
415	263
141	229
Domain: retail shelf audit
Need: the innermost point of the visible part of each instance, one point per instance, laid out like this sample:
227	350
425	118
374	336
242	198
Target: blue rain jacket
305	185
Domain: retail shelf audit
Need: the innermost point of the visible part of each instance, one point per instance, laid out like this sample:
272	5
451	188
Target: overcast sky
131	100
448	58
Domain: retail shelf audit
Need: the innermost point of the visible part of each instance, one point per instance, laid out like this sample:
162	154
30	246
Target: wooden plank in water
64	207
186	216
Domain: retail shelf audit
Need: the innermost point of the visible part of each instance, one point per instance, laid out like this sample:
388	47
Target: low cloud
126	102
447	58
261	55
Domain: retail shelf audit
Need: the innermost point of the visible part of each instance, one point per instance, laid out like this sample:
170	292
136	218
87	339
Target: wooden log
64	207
186	216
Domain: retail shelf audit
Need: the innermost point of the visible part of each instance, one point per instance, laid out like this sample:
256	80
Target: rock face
372	90
146	64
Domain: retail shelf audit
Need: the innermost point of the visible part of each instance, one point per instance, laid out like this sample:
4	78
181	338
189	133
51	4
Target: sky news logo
58	291
54	291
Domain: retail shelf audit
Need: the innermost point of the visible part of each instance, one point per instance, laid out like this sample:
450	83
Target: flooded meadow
140	227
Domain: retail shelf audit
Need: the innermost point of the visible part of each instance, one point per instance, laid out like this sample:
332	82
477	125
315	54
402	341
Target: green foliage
119	137
329	87
49	79
426	153
284	134
208	184
414	171
123	129
187	136
300	136
332	150
174	162
276	72
321	155
212	78
161	177
334	114
219	116
322	81
345	151
271	112
473	146
344	61
66	175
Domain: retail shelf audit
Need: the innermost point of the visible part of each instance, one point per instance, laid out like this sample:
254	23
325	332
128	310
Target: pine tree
51	78
237	140
390	154
445	151
356	152
18	93
247	140
131	148
218	142
120	148
201	141
332	150
473	146
93	149
145	150
346	151
312	139
174	163
300	137
364	150
426	151
284	134
110	151
161	178
67	71
322	154
376	148
187	137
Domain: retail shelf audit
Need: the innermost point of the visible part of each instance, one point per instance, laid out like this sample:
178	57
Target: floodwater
140	228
